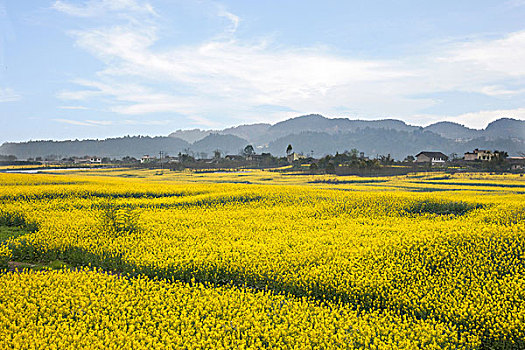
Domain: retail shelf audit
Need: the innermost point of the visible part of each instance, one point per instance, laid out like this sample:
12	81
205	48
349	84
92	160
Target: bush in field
119	221
16	219
441	207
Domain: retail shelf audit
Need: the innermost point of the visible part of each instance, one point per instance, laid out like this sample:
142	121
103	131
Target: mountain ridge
306	133
500	128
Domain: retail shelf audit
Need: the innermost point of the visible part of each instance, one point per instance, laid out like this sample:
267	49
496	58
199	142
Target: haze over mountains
309	134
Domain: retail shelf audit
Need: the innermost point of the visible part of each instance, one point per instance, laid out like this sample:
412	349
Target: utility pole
160	158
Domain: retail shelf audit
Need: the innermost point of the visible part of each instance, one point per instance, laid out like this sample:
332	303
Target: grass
7	232
38	266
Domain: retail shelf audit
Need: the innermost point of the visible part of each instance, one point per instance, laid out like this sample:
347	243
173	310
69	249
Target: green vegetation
7	232
440	207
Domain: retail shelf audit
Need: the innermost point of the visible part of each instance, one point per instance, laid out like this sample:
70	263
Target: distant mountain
505	128
305	133
227	144
254	133
318	123
499	129
454	131
191	135
261	134
135	146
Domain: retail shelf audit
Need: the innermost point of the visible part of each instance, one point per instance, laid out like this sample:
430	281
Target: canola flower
436	249
71	309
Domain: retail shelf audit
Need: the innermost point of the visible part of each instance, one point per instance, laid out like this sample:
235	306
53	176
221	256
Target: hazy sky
92	69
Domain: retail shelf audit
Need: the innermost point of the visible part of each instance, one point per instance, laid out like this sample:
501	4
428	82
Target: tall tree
248	151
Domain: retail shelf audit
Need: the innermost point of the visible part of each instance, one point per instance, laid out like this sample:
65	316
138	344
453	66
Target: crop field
261	259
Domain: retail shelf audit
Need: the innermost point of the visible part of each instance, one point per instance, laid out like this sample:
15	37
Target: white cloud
205	122
504	55
78	94
480	119
146	122
8	95
477	120
231	77
91	122
74	122
99	122
232	18
497	90
95	8
74	107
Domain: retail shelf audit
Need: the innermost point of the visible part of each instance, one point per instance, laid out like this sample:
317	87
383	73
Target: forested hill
134	146
307	134
261	134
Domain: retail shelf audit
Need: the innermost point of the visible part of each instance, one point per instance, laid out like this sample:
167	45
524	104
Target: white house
146	159
431	157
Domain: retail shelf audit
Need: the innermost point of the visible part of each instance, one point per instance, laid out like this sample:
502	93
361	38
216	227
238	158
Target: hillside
505	128
227	144
135	146
453	130
191	135
306	134
260	134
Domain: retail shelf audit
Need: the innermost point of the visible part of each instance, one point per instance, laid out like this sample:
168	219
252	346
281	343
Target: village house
483	155
234	157
516	163
83	160
146	159
258	157
292	157
431	157
470	156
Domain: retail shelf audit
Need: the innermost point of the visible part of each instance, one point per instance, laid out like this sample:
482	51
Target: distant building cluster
88	160
476	155
353	159
483	155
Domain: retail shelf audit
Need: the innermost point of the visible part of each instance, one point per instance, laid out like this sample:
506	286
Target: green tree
248	151
330	168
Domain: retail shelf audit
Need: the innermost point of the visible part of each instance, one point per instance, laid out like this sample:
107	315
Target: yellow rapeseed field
200	260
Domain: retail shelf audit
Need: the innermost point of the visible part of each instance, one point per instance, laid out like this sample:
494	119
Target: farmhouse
292	157
259	157
479	154
81	160
469	156
431	157
146	159
483	155
234	157
516	163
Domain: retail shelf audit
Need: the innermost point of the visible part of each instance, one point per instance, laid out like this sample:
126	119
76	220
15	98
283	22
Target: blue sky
104	68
